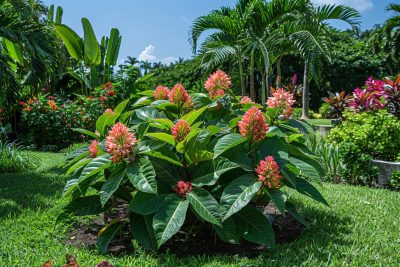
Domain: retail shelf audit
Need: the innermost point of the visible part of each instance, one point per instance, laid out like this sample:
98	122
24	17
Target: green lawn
317	122
362	228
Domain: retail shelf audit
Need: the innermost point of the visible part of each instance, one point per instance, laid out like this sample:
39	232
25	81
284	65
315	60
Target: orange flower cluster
180	130
282	99
183	188
253	125
178	95
161	92
120	142
218	83
268	173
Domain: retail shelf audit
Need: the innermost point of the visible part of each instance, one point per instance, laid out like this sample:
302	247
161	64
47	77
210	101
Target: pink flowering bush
283	101
161	92
204	166
218	83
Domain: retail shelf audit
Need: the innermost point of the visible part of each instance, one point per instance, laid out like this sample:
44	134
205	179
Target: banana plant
88	52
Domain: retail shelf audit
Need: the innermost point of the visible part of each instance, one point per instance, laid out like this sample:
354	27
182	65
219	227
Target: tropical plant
394	180
13	158
392	28
191	163
337	103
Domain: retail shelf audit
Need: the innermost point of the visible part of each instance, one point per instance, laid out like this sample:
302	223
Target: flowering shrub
48	121
282	100
218	83
207	165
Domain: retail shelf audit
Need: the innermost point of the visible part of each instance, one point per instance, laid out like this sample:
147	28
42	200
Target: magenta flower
218	83
161	92
365	101
183	188
268	173
120	142
180	130
253	125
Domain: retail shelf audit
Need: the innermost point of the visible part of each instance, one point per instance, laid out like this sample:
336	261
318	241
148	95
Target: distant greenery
346	234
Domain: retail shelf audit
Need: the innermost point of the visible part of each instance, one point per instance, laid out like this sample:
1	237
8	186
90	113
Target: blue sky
157	30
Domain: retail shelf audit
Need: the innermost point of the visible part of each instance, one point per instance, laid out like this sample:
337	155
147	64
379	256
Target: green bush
13	159
325	111
394	181
365	136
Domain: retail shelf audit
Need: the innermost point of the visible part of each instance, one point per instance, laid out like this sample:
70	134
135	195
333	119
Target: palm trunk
253	93
242	81
306	95
263	87
278	74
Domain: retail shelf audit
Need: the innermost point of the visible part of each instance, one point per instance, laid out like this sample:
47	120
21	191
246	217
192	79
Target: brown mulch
203	242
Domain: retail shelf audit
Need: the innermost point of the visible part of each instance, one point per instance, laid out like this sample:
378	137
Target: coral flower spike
253	125
161	93
268	173
218	83
120	142
180	130
178	95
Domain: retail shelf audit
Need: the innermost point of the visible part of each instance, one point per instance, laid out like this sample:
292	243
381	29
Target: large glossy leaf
238	194
274	147
91	46
253	226
86	132
112	50
278	198
207	173
142	230
309	167
92	168
112	183
14	51
205	205
228	232
143	176
107	234
145	203
165	154
71	40
302	126
59	14
192	116
293	211
82	206
227	142
80	163
306	188
169	218
167	138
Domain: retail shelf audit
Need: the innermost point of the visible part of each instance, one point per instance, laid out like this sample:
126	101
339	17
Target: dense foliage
48	121
365	136
192	163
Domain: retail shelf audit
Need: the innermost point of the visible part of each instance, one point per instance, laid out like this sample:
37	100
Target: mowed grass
361	228
318	122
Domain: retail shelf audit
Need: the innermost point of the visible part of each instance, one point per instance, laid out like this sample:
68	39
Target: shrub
365	136
13	159
198	164
394	181
334	105
48	121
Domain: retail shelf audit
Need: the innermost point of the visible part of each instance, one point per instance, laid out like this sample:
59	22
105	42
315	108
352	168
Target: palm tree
309	33
146	66
131	61
27	48
392	28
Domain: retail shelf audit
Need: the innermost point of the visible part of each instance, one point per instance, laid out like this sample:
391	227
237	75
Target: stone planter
385	170
323	129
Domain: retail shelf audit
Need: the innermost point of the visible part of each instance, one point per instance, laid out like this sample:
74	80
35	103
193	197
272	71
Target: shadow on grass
29	190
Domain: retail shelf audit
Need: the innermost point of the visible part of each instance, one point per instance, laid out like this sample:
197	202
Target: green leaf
142	230
290	174
196	156
86	132
274	147
107	235
59	14
91	46
302	126
192	116
112	183
163	137
71	40
227	142
307	189
205	205
165	122
169	218
238	194
145	203
292	211
165	154
279	198
112	50
207	173
121	106
253	226
14	51
309	167
79	164
143	176
82	206
228	232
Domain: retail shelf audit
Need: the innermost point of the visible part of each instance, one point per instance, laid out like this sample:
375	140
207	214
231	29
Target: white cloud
360	5
148	54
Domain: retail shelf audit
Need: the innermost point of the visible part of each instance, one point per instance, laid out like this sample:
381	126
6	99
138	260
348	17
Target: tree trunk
279	74
253	93
306	95
242	81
